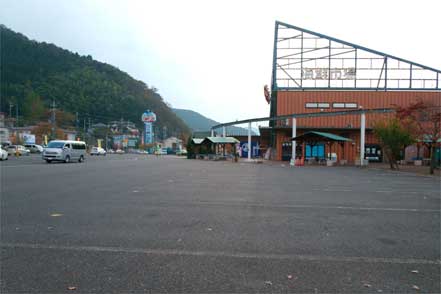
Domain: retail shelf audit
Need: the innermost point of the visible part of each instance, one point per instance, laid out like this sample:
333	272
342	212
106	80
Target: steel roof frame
383	75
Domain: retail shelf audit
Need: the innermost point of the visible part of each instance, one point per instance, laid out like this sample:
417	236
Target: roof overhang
320	136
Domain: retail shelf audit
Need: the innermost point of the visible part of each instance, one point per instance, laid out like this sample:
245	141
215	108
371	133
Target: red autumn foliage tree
423	120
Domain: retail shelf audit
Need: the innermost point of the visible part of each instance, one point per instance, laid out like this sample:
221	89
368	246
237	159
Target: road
145	224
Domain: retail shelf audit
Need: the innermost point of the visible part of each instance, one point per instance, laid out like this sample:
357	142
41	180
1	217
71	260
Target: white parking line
225	254
263	205
4	166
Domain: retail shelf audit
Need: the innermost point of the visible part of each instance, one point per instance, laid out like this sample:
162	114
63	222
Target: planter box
365	162
330	163
418	162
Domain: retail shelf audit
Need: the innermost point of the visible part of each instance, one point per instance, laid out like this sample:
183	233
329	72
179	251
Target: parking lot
141	223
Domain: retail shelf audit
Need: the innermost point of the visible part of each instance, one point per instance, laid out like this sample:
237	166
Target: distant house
172	143
70	134
16	134
4	132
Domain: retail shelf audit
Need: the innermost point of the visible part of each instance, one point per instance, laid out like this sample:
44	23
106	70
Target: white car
64	150
34	148
18	150
3	154
98	151
119	151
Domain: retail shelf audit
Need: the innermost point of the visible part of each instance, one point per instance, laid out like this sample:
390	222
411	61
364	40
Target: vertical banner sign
148	130
148	119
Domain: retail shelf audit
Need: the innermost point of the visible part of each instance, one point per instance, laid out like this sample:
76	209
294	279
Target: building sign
148	116
148	133
323	73
29	139
132	142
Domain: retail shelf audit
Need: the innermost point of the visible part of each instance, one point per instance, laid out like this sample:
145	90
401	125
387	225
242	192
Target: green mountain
33	74
199	123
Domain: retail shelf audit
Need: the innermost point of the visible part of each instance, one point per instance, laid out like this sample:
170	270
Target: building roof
315	136
222	140
197	141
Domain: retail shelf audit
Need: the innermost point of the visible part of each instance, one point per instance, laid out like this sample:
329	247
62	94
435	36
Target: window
79	146
338	105
350	105
55	145
344	105
316	105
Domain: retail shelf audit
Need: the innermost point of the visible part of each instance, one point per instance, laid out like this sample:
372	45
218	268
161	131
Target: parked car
163	151
34	148
6	144
63	150
181	152
3	154
119	151
98	151
18	150
111	151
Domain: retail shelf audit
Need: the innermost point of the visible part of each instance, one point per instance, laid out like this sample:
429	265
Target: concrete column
212	132
224	132
294	134
362	137
249	141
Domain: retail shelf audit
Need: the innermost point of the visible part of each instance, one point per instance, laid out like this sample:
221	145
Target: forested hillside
199	123
34	74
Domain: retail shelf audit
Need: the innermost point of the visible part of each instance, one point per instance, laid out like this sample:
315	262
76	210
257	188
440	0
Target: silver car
65	151
34	148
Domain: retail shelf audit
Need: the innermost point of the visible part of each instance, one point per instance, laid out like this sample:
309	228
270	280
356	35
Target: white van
66	151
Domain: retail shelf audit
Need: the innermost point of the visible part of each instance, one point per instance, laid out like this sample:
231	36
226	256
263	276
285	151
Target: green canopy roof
315	136
222	140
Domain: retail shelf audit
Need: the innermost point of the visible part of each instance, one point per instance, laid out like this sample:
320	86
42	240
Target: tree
64	119
190	148
76	83
33	108
393	137
423	120
44	128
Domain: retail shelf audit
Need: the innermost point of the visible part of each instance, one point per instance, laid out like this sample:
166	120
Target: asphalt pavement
147	224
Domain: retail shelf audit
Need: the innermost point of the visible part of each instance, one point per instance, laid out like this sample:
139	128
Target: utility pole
107	135
76	123
53	119
84	129
10	109
16	114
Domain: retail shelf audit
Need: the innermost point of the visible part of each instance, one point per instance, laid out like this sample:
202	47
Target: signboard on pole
29	139
148	118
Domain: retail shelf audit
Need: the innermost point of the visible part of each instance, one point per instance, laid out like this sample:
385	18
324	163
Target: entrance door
286	151
372	152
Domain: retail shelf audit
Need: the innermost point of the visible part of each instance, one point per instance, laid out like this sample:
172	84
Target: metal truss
303	115
306	60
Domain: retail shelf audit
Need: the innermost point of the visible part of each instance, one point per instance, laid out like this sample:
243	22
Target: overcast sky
214	57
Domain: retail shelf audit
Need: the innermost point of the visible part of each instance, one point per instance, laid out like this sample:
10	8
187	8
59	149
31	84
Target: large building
317	73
